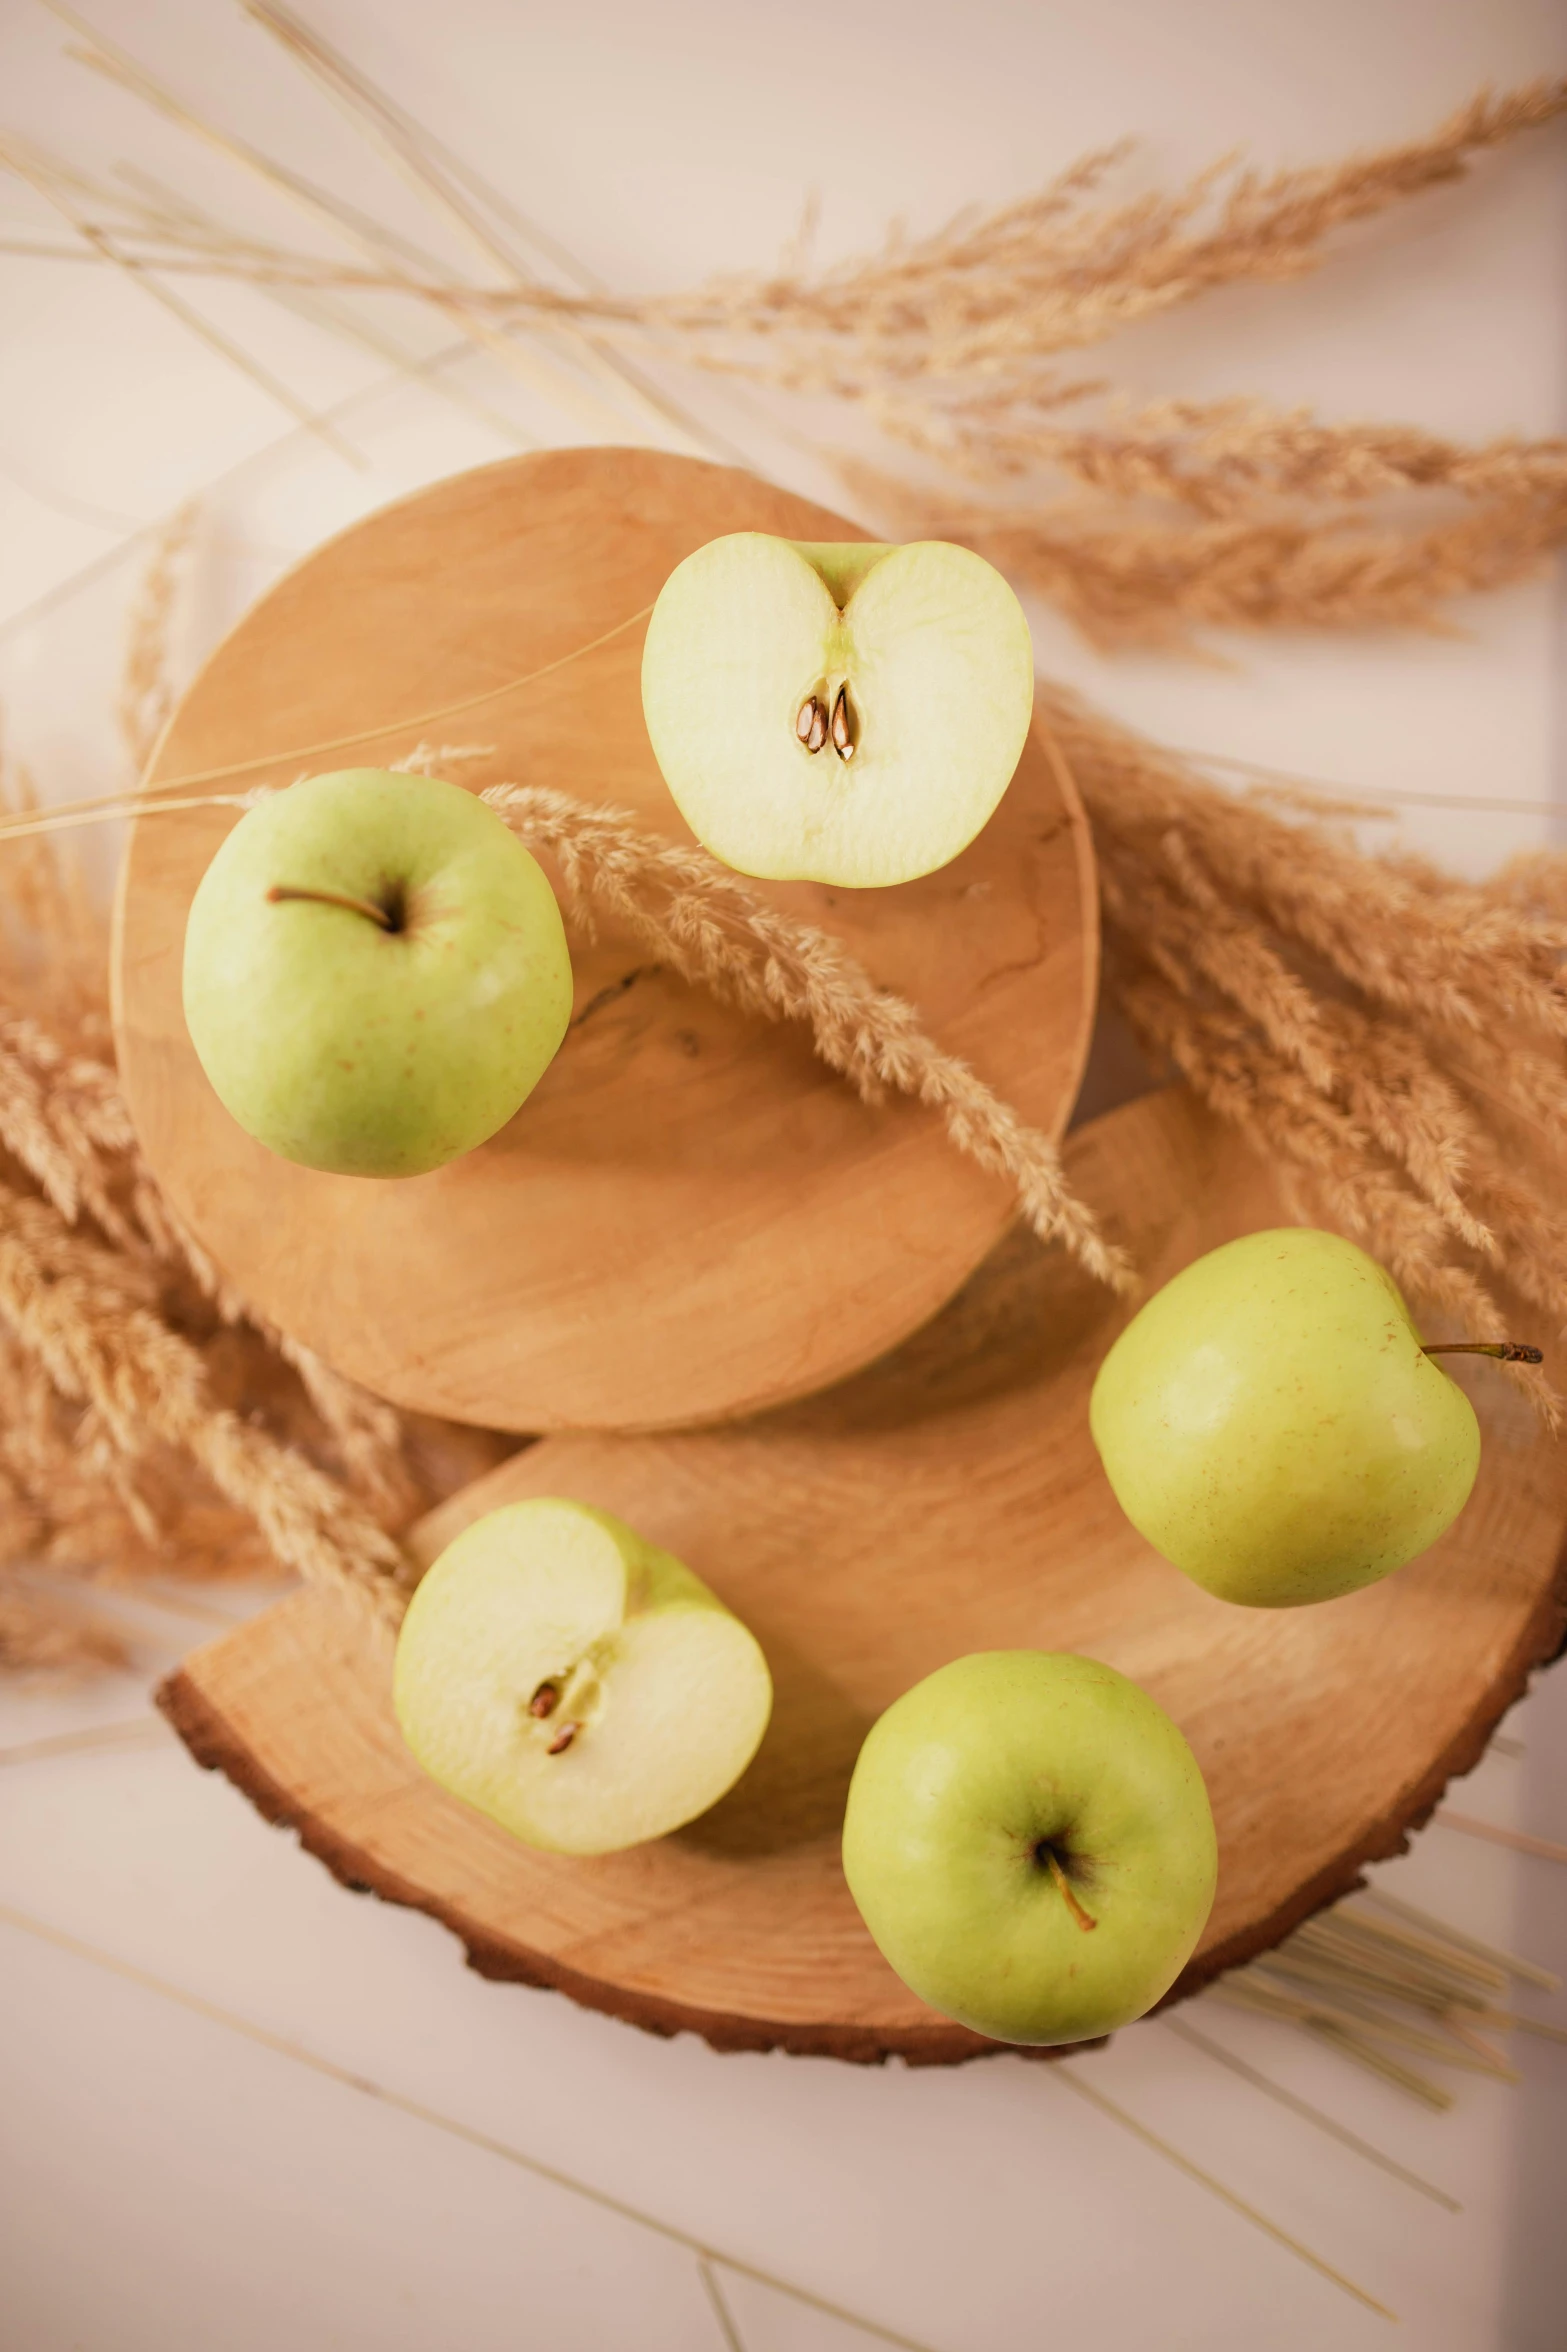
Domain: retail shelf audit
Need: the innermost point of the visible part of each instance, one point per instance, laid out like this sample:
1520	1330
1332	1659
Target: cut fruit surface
581	1687
848	714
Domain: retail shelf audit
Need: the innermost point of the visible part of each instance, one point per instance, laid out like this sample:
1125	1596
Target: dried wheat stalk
950	343
1387	1984
1219	457
101	1319
146	674
988	293
1344	1011
151	1424
705	922
1250	953
1156	583
1341	1010
83	1314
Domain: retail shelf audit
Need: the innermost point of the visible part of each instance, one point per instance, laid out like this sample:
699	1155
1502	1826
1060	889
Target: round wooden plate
691	1218
947	1500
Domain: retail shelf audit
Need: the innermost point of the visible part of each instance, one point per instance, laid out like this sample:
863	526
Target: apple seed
563	1738
544	1700
811	725
843	726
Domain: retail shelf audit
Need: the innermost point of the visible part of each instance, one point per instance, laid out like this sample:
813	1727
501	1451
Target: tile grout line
129	1973
727	2326
1303	2107
1216	2187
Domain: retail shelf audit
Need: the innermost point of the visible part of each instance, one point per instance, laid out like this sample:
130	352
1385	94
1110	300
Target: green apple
376	974
846	714
576	1684
1029	1841
1270	1423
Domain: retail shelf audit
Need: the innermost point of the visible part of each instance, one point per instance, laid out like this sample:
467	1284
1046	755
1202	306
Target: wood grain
691	1217
947	1500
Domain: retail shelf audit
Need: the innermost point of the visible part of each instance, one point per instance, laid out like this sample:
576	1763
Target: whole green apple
1269	1422
828	712
1029	1841
577	1684
376	974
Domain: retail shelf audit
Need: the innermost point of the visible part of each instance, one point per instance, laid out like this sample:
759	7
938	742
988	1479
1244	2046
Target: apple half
836	713
579	1686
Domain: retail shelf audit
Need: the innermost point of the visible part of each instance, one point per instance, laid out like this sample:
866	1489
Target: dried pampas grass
1390	1037
1341	1011
1345	1013
703	921
1160	584
151	1425
949	344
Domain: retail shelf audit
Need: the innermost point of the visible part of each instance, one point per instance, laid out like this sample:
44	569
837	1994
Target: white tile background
238	2108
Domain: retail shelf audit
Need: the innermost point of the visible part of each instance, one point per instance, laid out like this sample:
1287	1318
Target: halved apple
576	1684
836	713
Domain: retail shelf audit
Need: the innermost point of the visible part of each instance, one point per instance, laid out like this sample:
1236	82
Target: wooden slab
691	1218
947	1500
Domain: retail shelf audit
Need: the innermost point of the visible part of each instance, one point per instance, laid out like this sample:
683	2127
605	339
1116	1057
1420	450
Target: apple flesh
376	973
848	714
1269	1422
1029	1841
576	1684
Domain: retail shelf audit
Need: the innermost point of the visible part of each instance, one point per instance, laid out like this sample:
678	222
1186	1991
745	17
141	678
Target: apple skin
955	1789
349	1048
933	650
668	1690
1269	1422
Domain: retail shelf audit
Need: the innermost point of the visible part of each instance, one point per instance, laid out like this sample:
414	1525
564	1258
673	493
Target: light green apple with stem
580	1686
1271	1422
836	712
1029	1841
376	973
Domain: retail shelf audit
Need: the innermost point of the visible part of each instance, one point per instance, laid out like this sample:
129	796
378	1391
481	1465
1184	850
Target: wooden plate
691	1218
947	1500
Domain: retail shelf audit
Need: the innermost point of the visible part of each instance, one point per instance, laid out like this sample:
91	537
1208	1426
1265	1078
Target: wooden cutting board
691	1217
946	1500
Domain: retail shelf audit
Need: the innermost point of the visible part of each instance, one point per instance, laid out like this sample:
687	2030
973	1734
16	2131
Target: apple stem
1064	1883
1504	1351
563	1738
340	898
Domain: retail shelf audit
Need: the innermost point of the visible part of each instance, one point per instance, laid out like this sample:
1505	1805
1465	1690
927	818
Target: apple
376	973
846	714
576	1684
1270	1422
1029	1841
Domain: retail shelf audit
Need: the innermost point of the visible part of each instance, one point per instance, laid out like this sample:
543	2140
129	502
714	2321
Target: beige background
237	2108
